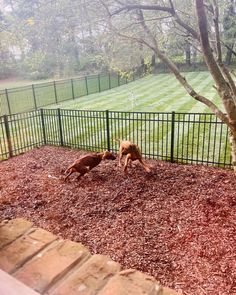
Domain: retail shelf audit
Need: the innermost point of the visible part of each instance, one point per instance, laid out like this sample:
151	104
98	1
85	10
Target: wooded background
61	38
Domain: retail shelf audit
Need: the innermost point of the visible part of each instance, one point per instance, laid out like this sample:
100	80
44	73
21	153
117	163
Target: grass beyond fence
35	96
176	137
152	93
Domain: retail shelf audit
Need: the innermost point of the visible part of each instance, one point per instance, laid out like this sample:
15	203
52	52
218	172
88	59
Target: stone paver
89	278
51	265
11	230
18	252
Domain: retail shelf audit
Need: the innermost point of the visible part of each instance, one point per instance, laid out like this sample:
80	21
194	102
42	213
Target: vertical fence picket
72	89
43	127
8	102
55	91
99	83
108	131
60	127
172	137
86	85
109	80
8	136
34	97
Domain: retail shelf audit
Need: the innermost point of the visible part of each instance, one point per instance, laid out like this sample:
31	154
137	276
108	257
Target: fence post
9	144
109	80
60	126
72	89
172	137
43	127
34	98
99	84
55	91
8	102
118	77
108	131
86	84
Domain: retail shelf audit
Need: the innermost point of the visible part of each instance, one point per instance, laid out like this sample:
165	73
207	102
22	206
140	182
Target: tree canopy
64	37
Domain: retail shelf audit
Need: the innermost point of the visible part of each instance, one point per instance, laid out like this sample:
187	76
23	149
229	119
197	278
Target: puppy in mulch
132	152
86	163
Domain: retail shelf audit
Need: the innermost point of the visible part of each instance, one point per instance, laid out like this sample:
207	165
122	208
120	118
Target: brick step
52	266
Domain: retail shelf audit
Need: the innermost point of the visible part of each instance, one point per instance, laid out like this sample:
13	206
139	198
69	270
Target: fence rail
176	137
35	96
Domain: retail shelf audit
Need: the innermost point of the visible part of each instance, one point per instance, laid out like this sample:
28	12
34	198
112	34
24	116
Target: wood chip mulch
177	223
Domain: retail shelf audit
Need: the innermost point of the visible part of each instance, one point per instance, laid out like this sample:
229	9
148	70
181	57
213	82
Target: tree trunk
143	66
153	62
187	54
228	58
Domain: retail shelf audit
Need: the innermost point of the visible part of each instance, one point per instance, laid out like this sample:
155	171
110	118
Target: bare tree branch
129	7
147	20
217	31
222	87
229	48
228	78
182	23
182	79
170	10
106	8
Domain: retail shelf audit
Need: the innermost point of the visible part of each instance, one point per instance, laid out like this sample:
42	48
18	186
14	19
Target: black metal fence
176	137
35	96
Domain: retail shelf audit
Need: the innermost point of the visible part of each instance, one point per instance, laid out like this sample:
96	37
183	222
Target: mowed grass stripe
153	93
179	99
186	103
118	99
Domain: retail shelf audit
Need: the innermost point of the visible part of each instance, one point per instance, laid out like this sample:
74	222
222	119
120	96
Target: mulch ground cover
177	223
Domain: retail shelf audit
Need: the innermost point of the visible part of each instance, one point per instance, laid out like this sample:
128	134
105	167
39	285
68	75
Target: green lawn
194	139
154	93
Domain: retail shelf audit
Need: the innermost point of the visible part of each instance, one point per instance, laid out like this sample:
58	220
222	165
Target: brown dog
133	153
84	164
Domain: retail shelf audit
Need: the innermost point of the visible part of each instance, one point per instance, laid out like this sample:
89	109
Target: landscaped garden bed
177	223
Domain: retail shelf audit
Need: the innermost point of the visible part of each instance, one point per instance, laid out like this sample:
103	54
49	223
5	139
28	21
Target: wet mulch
177	223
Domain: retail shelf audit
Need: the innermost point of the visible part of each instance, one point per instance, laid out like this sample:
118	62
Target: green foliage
64	37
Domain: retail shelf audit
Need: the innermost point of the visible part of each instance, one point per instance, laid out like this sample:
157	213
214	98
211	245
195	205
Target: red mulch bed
177	223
